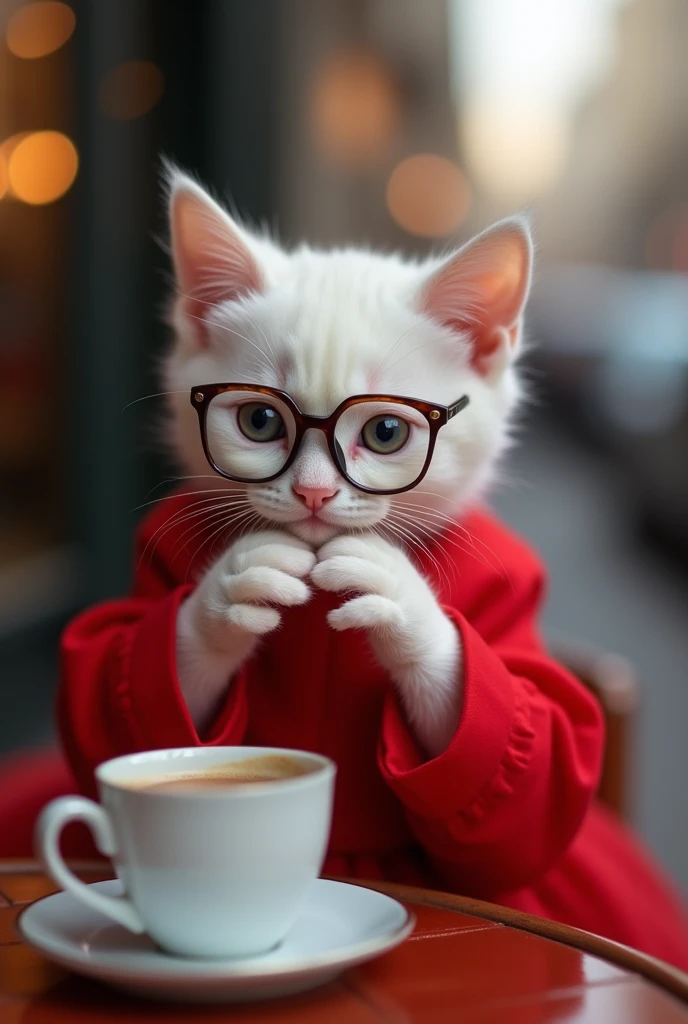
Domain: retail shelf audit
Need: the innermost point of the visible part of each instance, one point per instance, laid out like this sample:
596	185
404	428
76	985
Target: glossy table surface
466	962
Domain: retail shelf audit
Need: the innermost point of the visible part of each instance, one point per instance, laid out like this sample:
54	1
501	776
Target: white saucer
340	925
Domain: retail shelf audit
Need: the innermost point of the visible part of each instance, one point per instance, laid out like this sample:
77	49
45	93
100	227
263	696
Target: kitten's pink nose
314	497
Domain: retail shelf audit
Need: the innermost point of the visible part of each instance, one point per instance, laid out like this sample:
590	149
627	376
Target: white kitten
323	326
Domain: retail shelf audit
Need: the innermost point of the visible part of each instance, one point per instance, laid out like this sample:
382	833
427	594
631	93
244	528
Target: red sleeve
507	797
119	691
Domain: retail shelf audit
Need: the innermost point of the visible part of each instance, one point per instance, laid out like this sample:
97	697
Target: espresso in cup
269	768
216	847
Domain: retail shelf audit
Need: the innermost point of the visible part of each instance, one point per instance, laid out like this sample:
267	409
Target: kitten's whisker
168	524
250	515
175	519
199	528
256	518
210	510
228	329
206	540
251	521
218	513
412	541
409	539
473	540
436	494
419	348
157	394
217	491
433	535
413	327
265	337
424	510
440	529
450	536
402	531
254	373
231	330
412	517
176	479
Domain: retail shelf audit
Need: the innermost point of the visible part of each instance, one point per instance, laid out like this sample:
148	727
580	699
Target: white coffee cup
219	872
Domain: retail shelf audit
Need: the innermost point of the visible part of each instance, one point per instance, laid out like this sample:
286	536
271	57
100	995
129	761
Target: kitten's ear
481	291
214	258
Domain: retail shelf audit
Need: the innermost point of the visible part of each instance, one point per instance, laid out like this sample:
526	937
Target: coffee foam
268	768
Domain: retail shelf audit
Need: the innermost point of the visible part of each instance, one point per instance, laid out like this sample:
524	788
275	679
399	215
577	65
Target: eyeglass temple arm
453	410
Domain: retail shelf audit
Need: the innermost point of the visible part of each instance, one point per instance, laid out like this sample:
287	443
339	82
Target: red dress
504	814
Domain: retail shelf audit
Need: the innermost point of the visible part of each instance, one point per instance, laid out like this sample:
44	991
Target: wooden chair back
613	680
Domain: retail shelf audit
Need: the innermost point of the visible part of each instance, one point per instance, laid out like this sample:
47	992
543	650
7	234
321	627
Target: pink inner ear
213	262
481	291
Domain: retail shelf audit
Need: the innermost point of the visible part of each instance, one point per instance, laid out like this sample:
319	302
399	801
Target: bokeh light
428	195
38	29
514	151
7	147
521	72
355	109
41	167
131	89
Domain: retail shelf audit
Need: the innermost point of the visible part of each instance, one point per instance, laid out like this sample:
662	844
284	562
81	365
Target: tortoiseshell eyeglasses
381	444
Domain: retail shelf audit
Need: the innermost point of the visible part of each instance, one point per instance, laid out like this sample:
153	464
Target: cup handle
52	820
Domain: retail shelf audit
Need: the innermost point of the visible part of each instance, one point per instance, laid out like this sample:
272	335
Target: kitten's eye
259	422
385	434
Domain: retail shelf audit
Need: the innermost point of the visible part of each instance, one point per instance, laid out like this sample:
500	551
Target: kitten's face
325	326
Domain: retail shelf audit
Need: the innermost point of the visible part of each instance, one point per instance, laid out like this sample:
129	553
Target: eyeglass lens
379	445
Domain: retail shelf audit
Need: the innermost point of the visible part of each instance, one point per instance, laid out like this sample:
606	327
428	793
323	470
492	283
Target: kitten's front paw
394	603
239	597
410	634
366	566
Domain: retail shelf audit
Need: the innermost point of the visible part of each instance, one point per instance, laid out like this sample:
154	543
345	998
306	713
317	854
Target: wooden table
466	962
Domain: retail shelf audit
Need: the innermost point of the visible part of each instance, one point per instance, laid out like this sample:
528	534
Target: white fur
218	626
410	634
323	326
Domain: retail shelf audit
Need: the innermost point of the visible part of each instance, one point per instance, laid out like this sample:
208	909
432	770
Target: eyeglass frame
437	416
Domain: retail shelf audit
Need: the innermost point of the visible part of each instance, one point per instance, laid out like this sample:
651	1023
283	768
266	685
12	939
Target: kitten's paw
379	573
260	584
368	612
273	549
352	573
364	565
407	629
366	546
235	601
389	598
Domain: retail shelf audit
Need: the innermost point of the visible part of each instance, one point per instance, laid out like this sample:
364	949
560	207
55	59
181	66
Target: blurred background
402	124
